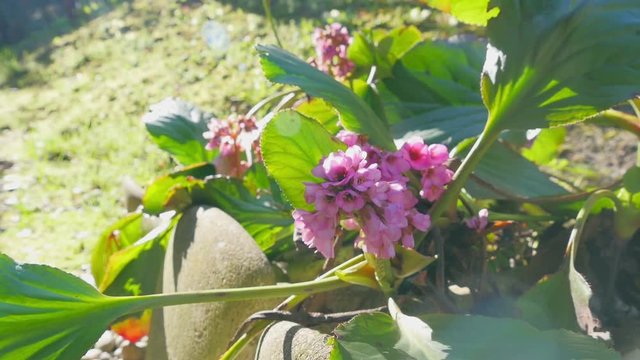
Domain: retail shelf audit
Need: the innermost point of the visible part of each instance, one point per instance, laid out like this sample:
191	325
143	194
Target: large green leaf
355	115
292	145
503	172
46	313
554	62
480	337
475	12
434	90
446	125
380	336
177	127
383	50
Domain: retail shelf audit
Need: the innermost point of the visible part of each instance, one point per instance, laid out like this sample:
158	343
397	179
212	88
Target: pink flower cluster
364	188
331	43
230	137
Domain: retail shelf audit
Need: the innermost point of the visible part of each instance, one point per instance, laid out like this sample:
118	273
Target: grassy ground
75	132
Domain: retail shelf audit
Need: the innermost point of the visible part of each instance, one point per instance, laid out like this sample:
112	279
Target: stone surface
209	250
132	352
290	341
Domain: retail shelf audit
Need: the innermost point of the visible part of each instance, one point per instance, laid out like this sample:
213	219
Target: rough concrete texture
209	250
286	340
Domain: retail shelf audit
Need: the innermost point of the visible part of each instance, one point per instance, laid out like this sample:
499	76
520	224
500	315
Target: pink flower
349	138
416	153
433	182
331	43
479	222
317	230
366	177
394	165
366	189
349	201
336	168
419	220
407	239
439	154
226	135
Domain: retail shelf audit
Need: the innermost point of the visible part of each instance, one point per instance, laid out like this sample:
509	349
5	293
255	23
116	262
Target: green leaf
556	62
380	336
292	145
446	125
177	128
434	89
415	336
282	67
137	268
503	172
548	305
480	337
269	226
46	313
631	179
321	111
157	196
546	146
438	73
123	233
474	12
384	50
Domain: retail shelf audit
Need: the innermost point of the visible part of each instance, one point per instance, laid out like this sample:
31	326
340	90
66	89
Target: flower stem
291	302
249	293
581	220
480	147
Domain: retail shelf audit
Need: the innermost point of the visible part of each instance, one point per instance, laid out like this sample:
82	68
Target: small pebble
119	340
107	342
118	352
93	354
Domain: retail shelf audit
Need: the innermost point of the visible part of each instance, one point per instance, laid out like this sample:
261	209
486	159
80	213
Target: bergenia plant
414	178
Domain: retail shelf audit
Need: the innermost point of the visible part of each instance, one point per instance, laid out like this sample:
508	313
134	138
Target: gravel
112	346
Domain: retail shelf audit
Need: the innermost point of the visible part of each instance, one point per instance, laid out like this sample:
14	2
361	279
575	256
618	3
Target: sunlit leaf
158	195
555	62
321	111
123	233
292	145
546	146
46	313
355	115
383	51
380	336
136	269
474	12
177	127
